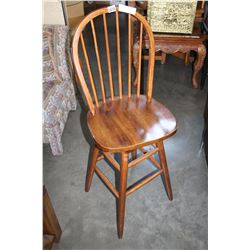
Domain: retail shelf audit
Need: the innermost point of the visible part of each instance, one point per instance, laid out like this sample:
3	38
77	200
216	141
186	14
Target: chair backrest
79	39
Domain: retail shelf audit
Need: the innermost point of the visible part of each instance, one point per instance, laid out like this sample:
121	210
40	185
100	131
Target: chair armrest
61	48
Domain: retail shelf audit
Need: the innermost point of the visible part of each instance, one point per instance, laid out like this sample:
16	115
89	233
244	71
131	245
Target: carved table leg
187	58
135	61
163	57
201	53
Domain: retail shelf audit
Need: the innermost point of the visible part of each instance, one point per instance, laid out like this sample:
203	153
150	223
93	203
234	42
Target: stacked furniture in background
58	89
175	43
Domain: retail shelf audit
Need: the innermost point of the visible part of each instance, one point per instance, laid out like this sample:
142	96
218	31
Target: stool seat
121	124
128	123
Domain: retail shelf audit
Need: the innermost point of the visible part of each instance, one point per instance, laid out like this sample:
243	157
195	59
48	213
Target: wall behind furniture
75	8
53	12
74	13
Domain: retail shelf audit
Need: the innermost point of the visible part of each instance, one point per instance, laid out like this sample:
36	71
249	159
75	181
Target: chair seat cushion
128	123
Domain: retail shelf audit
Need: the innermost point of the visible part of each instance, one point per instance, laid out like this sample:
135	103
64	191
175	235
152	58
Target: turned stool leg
91	169
164	166
122	193
134	154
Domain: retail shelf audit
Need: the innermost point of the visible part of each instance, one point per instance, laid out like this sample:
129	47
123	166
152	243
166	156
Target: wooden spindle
118	53
81	77
108	57
139	60
142	158
114	163
107	182
100	157
143	182
98	61
151	59
129	55
151	158
89	70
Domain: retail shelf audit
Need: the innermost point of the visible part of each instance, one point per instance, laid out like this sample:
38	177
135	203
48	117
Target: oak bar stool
128	122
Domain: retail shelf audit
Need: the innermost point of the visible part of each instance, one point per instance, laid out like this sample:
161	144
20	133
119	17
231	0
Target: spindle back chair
125	123
78	37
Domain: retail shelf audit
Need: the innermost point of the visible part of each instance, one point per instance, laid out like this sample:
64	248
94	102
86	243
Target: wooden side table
174	43
51	227
170	44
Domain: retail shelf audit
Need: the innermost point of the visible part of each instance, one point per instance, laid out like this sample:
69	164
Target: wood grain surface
128	123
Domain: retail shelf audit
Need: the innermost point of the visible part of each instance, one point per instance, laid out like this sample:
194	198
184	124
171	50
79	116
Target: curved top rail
78	33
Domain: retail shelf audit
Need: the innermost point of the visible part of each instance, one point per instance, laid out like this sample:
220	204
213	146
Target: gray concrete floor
88	220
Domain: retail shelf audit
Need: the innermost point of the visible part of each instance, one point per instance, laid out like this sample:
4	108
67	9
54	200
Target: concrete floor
88	220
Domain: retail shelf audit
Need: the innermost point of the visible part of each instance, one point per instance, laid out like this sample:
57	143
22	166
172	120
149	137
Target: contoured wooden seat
124	123
129	123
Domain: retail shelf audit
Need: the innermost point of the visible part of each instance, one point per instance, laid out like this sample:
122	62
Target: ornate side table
176	43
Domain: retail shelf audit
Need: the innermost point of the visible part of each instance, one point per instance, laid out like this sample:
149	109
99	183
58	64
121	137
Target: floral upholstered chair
58	89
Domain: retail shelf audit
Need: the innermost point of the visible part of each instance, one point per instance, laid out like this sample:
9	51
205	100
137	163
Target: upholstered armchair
58	89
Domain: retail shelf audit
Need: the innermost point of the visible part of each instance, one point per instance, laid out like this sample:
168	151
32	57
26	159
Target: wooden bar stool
128	122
